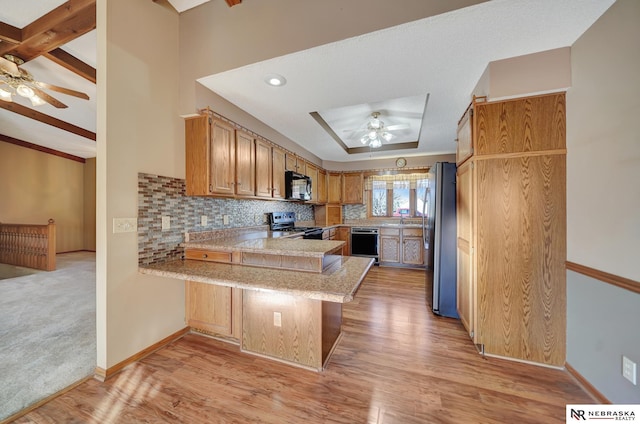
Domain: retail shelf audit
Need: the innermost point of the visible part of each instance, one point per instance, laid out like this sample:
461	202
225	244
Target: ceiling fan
17	80
375	131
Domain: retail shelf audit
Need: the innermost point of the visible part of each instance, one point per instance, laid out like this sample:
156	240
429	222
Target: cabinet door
208	307
466	290
222	163
344	234
389	248
291	162
245	164
312	172
334	187
264	172
352	188
197	145
278	166
412	246
464	148
322	186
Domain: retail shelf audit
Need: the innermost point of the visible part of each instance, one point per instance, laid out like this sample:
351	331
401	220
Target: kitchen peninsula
277	297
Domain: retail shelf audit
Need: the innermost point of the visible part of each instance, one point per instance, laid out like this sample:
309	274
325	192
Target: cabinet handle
205	256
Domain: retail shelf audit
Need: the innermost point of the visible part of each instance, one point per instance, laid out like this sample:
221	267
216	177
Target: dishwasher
365	242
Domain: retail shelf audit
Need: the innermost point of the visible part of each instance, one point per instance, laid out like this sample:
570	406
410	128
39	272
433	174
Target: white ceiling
81	113
444	56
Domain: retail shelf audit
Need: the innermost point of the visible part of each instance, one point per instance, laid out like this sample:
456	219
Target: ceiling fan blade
47	98
9	67
396	127
62	90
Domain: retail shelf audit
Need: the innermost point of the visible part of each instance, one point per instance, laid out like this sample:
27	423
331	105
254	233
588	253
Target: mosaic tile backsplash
354	212
160	196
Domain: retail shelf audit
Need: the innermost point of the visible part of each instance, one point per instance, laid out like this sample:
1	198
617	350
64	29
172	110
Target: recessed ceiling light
275	80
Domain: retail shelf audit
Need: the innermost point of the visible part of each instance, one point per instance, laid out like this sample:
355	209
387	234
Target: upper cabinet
464	148
353	188
295	163
264	169
322	186
278	167
245	164
334	187
210	156
312	172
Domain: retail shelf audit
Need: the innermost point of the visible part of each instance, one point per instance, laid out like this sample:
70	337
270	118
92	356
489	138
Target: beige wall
603	161
412	162
36	186
90	204
139	130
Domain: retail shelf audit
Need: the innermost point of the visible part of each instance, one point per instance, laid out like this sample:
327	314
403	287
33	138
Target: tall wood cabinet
334	187
353	188
511	208
264	169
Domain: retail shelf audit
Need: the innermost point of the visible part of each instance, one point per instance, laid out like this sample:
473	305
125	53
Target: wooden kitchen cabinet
245	157
264	169
295	163
353	188
344	234
390	245
210	156
511	210
328	215
412	246
322	186
208	307
334	187
464	145
278	168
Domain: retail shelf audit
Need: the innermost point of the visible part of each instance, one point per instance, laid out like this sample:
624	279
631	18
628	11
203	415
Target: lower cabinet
213	309
401	246
344	234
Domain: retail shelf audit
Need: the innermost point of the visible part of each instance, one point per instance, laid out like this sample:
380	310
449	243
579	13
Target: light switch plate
225	219
277	319
166	222
125	225
629	370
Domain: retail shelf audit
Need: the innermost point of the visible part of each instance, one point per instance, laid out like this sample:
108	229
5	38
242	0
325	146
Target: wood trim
232	3
10	34
101	374
61	25
43	401
46	119
520	154
42	149
588	387
605	277
72	63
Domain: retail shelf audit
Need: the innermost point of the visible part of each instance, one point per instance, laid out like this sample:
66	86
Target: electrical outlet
629	370
203	220
166	222
277	319
125	225
225	219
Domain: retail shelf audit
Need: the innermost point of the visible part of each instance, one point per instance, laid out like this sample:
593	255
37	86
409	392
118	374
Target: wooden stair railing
31	246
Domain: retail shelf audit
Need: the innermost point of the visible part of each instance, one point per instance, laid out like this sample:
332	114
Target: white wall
139	130
603	199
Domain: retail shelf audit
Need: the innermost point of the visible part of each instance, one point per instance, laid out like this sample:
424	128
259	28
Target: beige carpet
47	331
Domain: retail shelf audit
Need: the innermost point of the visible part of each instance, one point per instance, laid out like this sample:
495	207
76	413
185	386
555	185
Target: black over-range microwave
297	186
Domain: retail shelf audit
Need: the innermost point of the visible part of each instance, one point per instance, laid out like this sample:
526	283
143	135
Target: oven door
364	242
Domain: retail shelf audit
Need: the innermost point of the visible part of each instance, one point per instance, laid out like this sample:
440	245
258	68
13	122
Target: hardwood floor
396	363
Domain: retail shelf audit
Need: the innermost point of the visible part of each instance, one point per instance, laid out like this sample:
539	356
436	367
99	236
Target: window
399	195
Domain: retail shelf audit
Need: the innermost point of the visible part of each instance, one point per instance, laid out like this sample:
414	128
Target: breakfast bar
276	297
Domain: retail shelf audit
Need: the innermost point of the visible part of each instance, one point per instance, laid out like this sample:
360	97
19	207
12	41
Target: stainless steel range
286	221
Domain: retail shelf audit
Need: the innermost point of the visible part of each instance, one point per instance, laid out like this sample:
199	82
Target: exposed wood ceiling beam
232	3
63	24
72	63
43	149
10	34
46	119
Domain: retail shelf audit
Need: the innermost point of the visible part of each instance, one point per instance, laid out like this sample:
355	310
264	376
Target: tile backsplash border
160	196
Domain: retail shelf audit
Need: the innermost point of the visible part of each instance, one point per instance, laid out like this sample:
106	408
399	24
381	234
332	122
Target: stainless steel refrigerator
440	237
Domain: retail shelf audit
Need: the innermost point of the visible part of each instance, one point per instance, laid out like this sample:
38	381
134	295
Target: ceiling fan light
376	143
387	136
5	95
25	91
364	139
373	135
36	101
375	123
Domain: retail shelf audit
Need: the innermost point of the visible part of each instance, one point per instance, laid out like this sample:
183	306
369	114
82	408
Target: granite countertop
271	245
336	284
